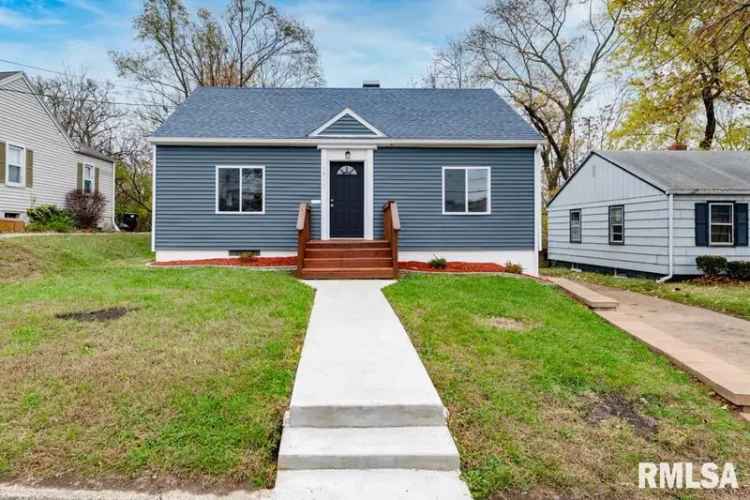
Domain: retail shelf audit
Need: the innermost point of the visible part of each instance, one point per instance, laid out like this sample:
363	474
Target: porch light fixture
348	155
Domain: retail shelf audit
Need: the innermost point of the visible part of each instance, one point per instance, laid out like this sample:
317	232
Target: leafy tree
251	45
544	59
691	58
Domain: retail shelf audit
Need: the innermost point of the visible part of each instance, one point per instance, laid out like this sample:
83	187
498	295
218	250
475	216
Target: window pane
617	233
87	186
478	190
455	190
15	156
229	189
252	190
721	234
616	215
721	214
14	174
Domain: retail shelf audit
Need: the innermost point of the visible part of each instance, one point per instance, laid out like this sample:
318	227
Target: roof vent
371	84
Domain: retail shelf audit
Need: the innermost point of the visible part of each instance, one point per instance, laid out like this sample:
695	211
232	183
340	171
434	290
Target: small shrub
512	268
711	265
49	218
87	208
739	270
438	263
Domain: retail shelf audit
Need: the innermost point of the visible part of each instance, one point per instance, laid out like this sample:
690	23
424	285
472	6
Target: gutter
670	203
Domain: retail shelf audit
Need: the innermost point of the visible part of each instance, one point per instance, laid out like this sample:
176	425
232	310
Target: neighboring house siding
24	121
346	125
684	219
186	198
598	185
105	184
413	177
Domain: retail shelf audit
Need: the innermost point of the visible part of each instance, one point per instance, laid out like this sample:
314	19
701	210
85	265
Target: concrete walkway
712	346
365	420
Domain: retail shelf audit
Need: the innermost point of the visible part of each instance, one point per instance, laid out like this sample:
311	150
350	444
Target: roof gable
347	123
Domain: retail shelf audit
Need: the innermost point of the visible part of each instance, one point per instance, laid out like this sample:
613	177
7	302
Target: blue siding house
365	174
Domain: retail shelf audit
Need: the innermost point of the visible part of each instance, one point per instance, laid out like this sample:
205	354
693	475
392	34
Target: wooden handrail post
303	234
391	228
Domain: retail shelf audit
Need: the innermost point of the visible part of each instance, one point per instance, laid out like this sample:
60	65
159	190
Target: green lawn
723	297
547	399
185	390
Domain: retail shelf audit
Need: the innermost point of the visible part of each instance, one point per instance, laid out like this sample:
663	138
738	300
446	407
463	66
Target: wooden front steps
347	259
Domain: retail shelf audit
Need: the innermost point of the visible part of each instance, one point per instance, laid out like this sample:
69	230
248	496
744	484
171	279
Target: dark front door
347	199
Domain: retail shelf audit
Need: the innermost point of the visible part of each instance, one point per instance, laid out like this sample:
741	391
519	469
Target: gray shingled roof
687	171
295	113
93	153
7	74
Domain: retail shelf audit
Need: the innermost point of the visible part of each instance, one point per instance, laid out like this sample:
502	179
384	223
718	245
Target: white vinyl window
241	190
15	173
721	221
466	190
88	178
617	225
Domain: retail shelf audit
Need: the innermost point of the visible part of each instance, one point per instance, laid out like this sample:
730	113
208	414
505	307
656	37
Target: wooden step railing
303	234
391	228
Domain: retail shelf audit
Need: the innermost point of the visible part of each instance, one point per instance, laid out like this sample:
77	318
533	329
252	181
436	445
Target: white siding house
29	134
638	211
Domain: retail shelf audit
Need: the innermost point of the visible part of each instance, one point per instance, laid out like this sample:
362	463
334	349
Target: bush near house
739	270
87	208
50	218
711	265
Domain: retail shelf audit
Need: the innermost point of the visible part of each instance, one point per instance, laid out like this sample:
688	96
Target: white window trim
613	241
579	226
92	179
466	190
241	168
711	223
8	183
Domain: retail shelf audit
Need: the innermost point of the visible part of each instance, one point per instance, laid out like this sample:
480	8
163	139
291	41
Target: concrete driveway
724	336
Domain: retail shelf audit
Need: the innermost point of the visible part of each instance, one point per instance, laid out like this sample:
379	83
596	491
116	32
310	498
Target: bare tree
545	61
252	45
83	107
451	67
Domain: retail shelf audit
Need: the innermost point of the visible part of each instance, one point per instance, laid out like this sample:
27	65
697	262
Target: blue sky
387	40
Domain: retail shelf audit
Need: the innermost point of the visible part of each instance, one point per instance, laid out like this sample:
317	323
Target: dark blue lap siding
413	177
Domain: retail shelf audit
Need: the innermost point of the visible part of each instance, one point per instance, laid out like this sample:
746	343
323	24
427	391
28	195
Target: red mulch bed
453	267
235	262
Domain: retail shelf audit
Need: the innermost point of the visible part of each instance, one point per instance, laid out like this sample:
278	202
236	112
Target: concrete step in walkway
365	420
426	448
370	485
585	295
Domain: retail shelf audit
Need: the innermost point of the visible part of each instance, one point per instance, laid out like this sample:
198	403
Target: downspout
114	197
670	204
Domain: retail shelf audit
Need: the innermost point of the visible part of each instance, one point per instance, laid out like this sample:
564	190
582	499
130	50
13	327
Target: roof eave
378	141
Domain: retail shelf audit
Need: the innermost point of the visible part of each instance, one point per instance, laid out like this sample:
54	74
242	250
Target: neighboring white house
652	212
39	164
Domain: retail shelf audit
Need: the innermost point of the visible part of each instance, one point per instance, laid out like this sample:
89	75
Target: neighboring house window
617	225
721	220
14	169
575	226
240	190
88	178
466	190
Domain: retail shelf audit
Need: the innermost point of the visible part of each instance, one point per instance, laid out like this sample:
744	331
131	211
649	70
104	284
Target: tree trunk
710	130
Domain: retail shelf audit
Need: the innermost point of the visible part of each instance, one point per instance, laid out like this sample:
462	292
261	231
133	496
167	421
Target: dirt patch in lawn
605	406
503	323
108	314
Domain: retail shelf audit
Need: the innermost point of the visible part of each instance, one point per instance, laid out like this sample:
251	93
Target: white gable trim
30	88
319	131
